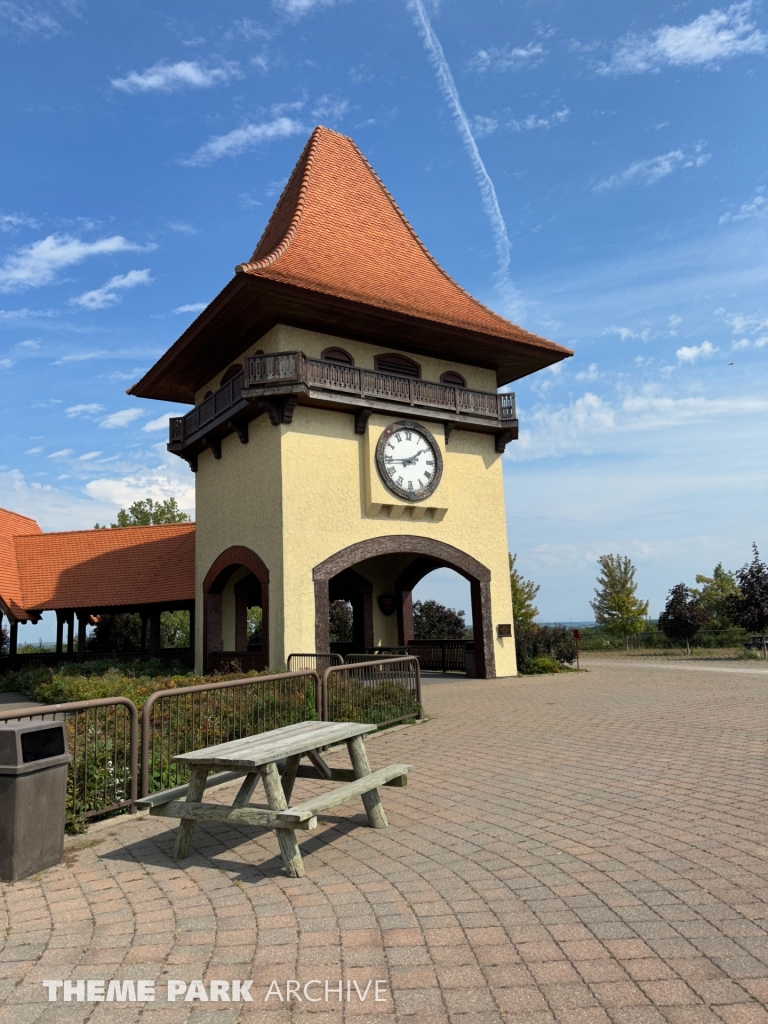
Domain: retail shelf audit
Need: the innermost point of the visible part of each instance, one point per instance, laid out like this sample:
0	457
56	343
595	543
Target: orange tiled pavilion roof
338	256
93	568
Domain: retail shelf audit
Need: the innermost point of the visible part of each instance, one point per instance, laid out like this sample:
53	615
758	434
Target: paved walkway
585	849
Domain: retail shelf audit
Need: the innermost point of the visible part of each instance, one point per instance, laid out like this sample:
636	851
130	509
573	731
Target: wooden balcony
275	384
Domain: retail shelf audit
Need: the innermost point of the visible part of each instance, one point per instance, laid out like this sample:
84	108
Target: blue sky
597	171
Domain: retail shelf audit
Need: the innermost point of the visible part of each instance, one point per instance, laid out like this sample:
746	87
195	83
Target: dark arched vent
231	372
338	355
453	378
399	365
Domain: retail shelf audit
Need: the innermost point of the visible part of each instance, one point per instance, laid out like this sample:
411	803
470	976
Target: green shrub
542	666
532	641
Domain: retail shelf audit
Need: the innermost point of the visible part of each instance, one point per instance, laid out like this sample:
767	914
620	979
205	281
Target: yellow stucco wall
298	493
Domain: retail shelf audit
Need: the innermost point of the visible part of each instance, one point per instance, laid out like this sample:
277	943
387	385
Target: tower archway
237	580
392	566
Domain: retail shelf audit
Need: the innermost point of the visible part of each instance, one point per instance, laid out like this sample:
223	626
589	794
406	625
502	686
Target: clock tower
347	427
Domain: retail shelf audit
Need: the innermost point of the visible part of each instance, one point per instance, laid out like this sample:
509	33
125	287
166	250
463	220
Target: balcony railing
286	372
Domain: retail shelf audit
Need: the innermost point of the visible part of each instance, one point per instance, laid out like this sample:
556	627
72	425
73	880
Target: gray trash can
33	790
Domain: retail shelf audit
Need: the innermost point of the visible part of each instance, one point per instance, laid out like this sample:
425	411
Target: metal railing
103	741
191	717
290	368
440	655
377	692
312	662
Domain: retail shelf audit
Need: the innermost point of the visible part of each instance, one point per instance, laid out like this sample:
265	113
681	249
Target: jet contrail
451	93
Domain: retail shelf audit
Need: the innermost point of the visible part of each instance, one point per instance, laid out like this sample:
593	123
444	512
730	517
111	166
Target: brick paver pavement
583	849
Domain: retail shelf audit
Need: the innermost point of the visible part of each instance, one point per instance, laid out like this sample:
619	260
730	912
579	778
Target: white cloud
161	423
295	9
80	357
6	364
63	453
88	456
33	451
108	295
591	423
121	418
757	207
589	374
165	77
30	18
171	479
742	323
30	344
25	314
507	58
181	227
690	353
708	40
626	334
84	409
534	121
235	142
38	264
654	169
482	126
673	324
191	307
14	221
329	109
746	343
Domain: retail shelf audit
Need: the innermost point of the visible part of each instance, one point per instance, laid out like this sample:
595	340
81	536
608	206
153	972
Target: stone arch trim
435	551
215	580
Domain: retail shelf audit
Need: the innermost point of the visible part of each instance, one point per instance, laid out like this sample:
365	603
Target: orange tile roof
94	568
337	230
11	525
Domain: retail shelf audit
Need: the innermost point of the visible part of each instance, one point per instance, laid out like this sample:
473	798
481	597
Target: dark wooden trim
279	408
361	419
214	443
240	427
448	428
402	359
503	437
461	382
407	544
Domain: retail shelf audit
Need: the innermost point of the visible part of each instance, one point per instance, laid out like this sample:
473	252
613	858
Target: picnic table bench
275	758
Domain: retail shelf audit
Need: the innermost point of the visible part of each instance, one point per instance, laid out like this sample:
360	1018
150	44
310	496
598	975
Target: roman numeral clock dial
409	461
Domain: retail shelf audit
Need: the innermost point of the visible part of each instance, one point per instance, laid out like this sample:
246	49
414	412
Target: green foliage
523	594
542	665
749	607
533	642
4	640
616	605
174	629
683	616
352	701
341	620
715	594
147	512
122	632
433	621
254	625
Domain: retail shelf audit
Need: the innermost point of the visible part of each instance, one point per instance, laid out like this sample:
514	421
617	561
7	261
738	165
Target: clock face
409	461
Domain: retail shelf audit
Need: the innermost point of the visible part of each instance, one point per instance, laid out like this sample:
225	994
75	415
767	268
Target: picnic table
275	758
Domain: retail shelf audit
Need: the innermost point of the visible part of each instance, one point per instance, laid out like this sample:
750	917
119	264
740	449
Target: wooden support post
154	633
13	641
144	624
59	632
187	827
192	634
289	775
371	801
245	792
286	838
82	622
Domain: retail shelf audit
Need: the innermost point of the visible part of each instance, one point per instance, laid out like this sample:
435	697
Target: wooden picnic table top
253	751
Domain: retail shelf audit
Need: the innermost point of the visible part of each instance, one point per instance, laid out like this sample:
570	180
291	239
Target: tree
341	622
684	616
715	594
254	625
149	513
523	594
749	607
433	621
616	606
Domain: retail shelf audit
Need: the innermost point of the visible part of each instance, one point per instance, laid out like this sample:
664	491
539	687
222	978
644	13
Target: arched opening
236	582
454	379
378	577
337	355
231	372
